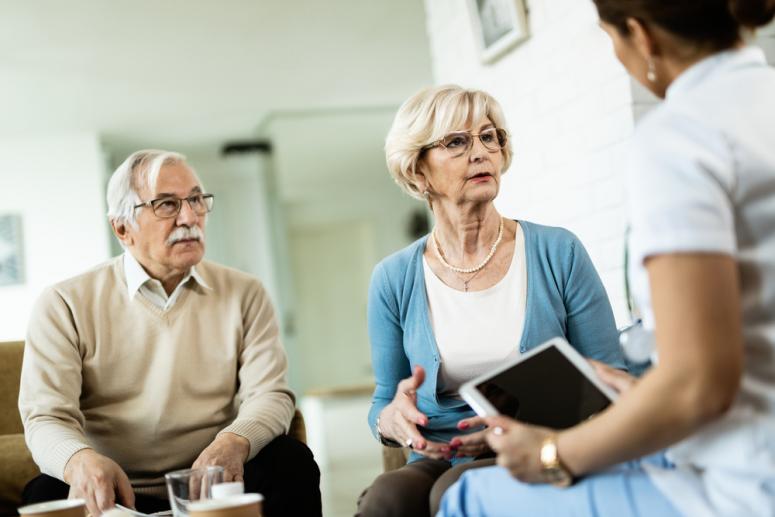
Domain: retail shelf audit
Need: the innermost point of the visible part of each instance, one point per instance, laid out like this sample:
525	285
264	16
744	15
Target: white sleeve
681	185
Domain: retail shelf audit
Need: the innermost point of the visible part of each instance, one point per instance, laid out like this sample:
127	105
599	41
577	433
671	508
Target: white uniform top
702	179
476	331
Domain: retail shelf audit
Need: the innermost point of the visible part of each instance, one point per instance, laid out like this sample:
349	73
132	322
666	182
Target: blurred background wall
282	107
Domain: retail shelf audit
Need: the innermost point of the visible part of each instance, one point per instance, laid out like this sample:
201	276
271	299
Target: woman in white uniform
702	200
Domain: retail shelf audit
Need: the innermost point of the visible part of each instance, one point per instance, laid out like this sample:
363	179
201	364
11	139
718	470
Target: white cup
58	508
226	489
243	505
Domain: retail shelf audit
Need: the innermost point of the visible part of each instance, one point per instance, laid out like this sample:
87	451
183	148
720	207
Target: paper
135	513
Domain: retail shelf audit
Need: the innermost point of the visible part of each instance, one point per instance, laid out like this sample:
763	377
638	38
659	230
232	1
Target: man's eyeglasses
166	207
460	142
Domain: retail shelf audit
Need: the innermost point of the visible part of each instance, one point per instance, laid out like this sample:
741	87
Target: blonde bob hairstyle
429	115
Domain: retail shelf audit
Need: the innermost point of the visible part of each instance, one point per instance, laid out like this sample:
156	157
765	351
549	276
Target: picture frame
11	250
498	26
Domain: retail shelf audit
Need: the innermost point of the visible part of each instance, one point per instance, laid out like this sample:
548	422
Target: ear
420	181
122	232
643	39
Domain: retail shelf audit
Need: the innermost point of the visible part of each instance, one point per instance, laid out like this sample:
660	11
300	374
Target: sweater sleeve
266	403
590	320
388	359
50	386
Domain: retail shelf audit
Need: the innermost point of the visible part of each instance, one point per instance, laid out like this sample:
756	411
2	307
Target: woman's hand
473	444
618	380
518	446
399	420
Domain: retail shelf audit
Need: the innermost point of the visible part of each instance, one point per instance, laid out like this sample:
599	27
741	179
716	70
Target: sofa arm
16	470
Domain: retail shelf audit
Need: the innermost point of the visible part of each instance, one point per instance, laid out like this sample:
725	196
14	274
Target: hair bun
752	13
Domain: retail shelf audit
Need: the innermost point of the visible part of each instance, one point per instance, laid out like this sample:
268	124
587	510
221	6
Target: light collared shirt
702	180
138	281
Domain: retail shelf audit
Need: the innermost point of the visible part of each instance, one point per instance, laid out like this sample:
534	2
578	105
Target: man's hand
98	480
229	451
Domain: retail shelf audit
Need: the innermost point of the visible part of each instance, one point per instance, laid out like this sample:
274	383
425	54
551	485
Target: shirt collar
136	276
719	62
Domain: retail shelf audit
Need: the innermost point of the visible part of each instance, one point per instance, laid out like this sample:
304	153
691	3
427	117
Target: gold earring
651	74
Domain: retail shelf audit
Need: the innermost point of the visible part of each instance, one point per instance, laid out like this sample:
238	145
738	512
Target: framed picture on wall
499	25
11	259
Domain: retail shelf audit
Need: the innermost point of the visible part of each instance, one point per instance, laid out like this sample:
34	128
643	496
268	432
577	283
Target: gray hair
140	169
427	116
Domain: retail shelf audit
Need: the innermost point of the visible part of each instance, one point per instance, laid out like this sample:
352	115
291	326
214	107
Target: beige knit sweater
148	388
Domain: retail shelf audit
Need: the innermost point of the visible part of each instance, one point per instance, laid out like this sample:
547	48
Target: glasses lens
197	203
493	139
166	207
456	143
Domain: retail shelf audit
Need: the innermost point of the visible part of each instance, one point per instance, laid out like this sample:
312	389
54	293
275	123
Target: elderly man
157	360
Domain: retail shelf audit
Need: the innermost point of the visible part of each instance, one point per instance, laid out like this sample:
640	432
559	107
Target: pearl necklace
440	254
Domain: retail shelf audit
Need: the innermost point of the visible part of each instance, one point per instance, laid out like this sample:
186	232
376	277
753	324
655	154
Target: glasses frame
208	199
498	130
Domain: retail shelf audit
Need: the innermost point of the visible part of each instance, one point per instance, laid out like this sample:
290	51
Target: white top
702	179
137	280
477	330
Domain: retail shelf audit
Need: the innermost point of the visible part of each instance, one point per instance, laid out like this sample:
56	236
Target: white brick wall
570	107
568	104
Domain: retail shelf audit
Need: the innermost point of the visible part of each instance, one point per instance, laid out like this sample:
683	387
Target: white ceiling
182	73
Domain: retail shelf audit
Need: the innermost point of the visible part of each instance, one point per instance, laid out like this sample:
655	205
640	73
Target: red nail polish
463	425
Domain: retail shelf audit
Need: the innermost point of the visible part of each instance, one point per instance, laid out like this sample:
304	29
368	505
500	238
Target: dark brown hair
712	23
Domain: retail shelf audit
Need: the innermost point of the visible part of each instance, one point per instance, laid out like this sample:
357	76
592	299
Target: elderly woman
480	289
695	436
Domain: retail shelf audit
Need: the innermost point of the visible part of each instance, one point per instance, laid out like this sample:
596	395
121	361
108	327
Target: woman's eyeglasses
460	142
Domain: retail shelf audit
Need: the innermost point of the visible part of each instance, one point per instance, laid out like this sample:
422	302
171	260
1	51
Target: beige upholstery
16	465
394	457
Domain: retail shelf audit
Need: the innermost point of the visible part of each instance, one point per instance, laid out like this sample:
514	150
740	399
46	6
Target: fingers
418	377
435	450
412	414
473	444
499	427
411	384
617	379
91	504
104	497
409	432
125	493
468	423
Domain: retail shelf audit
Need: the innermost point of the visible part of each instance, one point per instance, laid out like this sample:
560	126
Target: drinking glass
191	485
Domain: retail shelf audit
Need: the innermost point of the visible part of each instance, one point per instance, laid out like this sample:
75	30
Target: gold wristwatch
554	471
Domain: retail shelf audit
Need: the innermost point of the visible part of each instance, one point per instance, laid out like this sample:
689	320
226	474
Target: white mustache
185	233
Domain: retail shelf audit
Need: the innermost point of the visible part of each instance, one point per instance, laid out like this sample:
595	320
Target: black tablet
551	385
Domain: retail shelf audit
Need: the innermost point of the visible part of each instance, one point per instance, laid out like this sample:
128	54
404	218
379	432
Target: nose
186	216
478	150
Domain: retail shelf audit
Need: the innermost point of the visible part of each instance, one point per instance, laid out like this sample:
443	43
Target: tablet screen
545	389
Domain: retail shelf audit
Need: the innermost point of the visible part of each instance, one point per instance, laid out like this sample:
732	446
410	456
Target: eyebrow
486	126
195	190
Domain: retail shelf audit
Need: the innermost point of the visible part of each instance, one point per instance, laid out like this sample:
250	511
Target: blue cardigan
565	297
